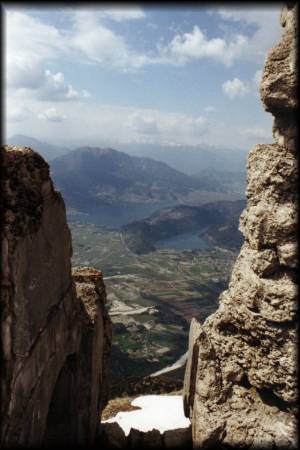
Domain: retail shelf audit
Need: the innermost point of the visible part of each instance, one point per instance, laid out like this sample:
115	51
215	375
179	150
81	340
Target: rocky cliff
55	331
240	381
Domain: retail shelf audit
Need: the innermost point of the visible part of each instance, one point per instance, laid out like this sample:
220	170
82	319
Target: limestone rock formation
240	382
55	332
112	437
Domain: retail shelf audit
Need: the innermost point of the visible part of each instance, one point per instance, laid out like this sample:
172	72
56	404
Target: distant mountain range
89	177
103	180
48	151
192	159
185	158
217	222
231	181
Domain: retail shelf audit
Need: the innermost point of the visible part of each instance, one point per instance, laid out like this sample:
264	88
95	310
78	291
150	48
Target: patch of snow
176	365
131	312
160	412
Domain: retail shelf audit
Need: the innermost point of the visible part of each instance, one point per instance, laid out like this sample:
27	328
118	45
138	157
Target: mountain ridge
185	158
217	222
88	176
48	151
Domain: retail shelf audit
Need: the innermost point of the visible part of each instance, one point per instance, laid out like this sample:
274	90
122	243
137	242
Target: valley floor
152	297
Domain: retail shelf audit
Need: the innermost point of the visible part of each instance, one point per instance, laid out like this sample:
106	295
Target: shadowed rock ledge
240	382
55	331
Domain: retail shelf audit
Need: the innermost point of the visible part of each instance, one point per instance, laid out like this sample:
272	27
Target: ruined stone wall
240	381
55	331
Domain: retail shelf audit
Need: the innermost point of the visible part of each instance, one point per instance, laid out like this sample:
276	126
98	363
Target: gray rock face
54	331
240	384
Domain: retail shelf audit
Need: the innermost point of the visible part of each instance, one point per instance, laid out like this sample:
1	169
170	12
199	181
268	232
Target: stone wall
240	381
55	332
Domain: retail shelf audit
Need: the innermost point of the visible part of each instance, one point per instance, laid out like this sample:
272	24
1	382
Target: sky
182	75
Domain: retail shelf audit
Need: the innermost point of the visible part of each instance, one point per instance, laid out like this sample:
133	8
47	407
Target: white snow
131	312
176	365
161	412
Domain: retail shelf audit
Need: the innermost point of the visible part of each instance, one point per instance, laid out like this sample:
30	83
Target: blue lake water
116	215
181	242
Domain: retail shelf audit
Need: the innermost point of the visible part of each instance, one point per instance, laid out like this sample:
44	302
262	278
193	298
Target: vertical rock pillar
55	331
241	381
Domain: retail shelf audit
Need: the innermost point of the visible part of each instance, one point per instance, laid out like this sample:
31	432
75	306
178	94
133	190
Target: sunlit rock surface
241	383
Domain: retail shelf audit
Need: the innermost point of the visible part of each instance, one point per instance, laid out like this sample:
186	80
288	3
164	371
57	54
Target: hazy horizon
125	76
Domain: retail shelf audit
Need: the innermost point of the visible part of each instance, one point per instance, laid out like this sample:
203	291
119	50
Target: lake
116	215
184	241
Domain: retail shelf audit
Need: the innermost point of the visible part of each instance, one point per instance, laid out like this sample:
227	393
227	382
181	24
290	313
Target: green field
176	285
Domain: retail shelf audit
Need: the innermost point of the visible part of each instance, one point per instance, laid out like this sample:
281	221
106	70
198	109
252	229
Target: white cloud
154	126
196	45
50	86
91	122
31	43
36	80
246	44
257	77
52	115
120	14
256	132
18	113
143	124
99	44
235	88
85	93
238	88
152	26
101	14
266	21
28	43
210	108
55	87
251	15
87	123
